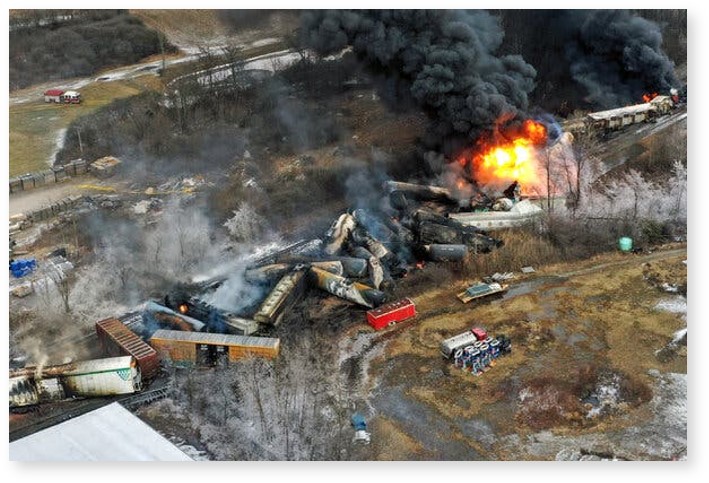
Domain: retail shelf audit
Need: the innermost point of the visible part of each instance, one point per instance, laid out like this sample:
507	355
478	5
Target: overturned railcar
347	289
209	349
287	291
93	378
118	340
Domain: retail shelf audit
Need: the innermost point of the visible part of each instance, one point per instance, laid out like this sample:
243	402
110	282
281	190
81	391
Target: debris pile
104	167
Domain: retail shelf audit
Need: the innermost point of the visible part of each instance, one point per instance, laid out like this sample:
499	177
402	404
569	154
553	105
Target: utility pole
81	146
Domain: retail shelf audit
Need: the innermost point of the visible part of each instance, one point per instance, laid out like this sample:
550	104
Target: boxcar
208	349
117	340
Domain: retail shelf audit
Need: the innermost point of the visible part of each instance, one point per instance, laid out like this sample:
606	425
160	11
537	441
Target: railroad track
131	402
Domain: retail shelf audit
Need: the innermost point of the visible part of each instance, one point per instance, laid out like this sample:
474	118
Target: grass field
36	126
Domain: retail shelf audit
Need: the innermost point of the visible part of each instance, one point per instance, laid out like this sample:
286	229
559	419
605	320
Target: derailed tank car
103	377
287	292
209	349
93	378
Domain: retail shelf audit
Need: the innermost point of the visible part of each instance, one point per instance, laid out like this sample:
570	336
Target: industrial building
111	433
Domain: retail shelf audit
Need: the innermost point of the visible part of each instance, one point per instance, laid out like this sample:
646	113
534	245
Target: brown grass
392	443
522	248
611	307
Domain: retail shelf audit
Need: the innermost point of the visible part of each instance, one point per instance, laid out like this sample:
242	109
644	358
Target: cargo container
117	339
451	345
208	349
391	313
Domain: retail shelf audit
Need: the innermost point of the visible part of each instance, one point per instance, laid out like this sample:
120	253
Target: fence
56	174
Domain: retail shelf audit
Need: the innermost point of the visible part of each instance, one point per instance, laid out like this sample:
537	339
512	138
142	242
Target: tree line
68	43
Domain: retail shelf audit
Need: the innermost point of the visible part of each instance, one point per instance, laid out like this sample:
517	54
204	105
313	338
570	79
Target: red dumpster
390	314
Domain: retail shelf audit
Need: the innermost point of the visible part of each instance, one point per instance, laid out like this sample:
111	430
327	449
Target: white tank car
103	377
97	377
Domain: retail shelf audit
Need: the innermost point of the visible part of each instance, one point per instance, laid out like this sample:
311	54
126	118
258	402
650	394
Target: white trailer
449	346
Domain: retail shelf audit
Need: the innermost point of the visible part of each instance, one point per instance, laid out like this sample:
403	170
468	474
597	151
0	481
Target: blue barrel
625	244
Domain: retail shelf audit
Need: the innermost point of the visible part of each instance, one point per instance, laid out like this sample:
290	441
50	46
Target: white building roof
111	433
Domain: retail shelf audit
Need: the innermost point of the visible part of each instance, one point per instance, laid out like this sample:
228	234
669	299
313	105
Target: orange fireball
649	97
508	155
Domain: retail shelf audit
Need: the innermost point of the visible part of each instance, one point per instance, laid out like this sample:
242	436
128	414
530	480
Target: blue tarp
22	267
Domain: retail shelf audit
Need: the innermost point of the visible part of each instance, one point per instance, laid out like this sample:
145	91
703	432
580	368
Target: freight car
117	339
391	314
614	119
208	349
286	292
93	378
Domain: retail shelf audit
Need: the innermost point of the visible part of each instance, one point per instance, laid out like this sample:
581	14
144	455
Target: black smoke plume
618	57
443	61
589	58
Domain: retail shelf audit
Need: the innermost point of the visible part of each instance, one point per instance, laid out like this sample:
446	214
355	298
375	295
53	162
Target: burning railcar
653	107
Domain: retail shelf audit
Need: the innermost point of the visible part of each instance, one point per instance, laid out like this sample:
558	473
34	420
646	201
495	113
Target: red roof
54	92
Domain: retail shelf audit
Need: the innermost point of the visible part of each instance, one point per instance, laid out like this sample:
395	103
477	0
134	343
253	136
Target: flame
183	308
508	155
420	264
649	97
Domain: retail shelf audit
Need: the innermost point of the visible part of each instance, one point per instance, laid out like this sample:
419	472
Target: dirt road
26	201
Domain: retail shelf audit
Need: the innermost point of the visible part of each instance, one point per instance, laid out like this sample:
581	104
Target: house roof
111	433
54	92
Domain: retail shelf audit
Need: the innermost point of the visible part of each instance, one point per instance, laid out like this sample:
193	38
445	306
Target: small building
53	95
